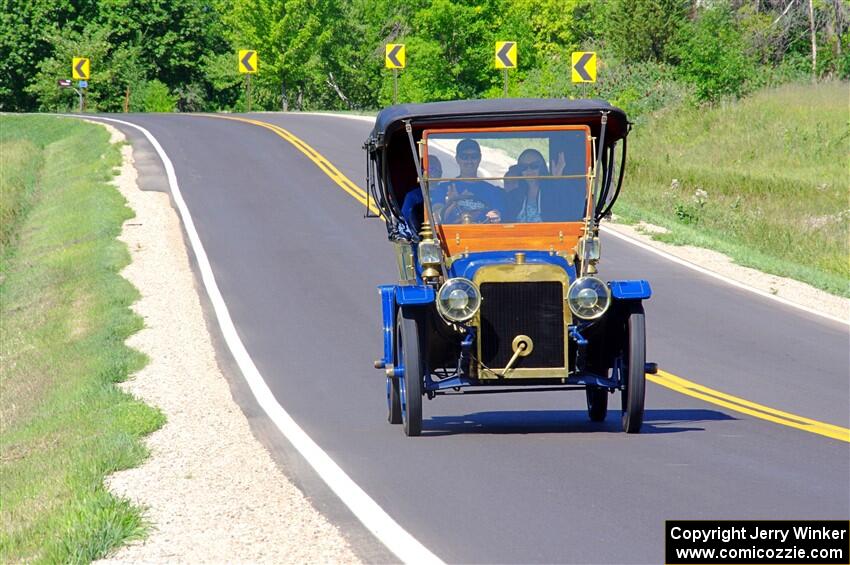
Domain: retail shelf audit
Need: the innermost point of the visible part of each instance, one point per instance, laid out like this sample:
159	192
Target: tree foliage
712	55
329	54
643	29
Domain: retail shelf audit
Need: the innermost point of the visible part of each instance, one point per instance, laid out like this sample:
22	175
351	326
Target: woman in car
531	199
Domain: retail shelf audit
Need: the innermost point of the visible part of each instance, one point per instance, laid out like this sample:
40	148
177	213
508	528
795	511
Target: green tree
641	30
153	96
315	62
27	28
166	40
252	24
712	55
102	93
129	42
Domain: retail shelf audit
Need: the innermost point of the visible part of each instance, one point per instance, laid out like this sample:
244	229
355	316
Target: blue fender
393	296
414	295
388	308
638	289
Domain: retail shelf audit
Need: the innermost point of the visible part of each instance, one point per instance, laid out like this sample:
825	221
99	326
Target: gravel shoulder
211	491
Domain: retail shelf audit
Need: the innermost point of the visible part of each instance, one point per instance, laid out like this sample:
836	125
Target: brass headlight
458	299
589	298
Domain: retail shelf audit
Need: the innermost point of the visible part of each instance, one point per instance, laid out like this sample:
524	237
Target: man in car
411	209
468	200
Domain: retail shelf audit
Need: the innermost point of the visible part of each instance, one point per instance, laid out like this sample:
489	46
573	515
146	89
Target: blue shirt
481	191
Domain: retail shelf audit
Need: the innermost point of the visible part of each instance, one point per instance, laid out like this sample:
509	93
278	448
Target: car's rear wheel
393	400
633	367
597	403
411	383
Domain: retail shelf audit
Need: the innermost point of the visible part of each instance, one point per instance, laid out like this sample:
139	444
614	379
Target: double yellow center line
663	378
743	406
324	165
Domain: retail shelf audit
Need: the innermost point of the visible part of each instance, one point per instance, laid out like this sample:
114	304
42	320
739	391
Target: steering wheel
476	213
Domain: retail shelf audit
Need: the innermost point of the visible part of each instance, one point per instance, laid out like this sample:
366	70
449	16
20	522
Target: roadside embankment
64	316
763	180
211	491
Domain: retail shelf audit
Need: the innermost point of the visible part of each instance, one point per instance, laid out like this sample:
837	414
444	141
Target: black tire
409	356
597	403
634	364
393	401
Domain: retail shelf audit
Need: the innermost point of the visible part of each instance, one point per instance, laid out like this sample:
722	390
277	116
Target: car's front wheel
633	365
393	400
409	358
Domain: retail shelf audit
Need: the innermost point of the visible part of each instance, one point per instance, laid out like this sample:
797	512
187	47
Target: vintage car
493	208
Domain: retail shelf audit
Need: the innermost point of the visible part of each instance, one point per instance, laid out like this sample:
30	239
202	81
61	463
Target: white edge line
710	273
665	254
375	518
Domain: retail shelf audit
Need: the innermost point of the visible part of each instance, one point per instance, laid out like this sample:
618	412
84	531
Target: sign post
67	83
395	59
248	65
248	93
81	70
506	59
584	66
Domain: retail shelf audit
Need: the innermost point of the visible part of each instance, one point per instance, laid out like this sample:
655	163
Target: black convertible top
390	167
502	112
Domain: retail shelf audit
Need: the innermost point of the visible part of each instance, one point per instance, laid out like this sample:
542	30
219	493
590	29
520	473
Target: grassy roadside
64	316
764	180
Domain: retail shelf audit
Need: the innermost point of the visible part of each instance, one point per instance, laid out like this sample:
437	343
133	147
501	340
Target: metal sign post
395	58
395	86
506	59
248	63
81	71
248	93
83	84
66	83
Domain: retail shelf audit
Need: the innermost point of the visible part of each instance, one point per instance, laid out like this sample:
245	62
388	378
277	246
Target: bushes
638	88
152	96
712	55
641	30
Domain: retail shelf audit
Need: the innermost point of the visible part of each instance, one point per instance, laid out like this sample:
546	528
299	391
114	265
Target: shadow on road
566	422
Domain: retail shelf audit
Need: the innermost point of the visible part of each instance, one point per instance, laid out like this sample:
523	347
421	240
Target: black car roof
502	112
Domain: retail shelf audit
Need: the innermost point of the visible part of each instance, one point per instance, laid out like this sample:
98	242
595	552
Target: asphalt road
519	478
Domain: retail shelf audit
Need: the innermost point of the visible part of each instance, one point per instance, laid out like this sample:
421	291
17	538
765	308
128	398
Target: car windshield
498	176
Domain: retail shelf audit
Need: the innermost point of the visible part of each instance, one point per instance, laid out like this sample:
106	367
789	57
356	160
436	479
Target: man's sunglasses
469	156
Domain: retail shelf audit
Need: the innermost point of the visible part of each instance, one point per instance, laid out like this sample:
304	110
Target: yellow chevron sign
506	54
584	66
248	61
395	56
80	68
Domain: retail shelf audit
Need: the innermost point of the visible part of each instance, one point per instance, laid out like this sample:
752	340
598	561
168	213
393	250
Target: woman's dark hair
544	170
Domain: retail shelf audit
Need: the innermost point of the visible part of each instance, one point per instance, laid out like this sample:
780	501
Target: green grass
764	180
64	316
